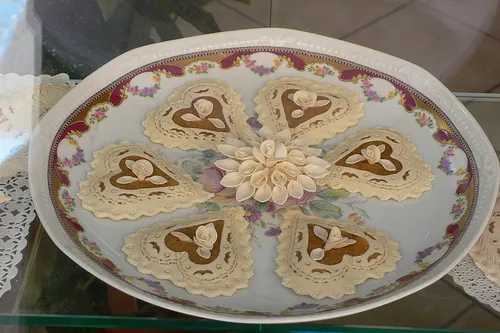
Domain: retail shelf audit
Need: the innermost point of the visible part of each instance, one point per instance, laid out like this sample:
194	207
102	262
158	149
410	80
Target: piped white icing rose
372	154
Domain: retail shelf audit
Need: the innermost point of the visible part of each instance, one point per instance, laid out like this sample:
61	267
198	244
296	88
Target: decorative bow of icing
141	169
204	108
334	240
305	99
205	237
371	154
270	166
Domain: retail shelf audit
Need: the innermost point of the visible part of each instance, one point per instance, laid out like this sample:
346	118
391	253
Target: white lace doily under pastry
479	272
16	215
23	101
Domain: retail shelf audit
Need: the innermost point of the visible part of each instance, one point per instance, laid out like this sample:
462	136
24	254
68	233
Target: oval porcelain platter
263	176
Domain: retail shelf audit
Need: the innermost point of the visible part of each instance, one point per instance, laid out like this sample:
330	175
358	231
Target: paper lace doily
16	215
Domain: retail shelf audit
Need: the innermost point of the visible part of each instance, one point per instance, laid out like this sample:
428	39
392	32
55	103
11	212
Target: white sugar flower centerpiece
270	166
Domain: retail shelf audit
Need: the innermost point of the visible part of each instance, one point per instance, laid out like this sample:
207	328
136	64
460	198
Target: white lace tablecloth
16	215
475	283
23	101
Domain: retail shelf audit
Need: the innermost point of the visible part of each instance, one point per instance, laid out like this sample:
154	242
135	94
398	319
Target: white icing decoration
205	237
334	240
270	166
371	154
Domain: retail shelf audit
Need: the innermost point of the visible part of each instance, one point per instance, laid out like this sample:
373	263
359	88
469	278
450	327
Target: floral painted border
97	114
445	164
372	96
200	67
321	70
262	70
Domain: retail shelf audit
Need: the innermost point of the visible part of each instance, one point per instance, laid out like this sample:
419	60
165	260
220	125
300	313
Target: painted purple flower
273	231
449	152
251	214
372	95
66	162
445	165
304	306
78	157
210	178
252	121
261	70
204	67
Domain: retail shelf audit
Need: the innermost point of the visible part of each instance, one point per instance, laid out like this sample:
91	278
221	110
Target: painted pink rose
210	178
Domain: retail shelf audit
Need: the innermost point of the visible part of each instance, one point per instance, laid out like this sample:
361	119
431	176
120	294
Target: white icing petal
227	165
297	113
258	155
322	102
204	253
339	244
129	163
311	151
181	236
315	171
381	148
279	194
126	180
232	179
263	193
321	233
295	190
317	254
283	136
217	122
354	159
157	180
318	161
281	152
278	178
249	167
190	117
298	143
259	178
236	142
243	153
296	157
244	191
227	150
307	183
335	234
289	168
266	133
388	165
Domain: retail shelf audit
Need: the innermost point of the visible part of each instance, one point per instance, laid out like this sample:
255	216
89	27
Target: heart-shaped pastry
199	116
207	254
378	162
328	258
311	111
131	180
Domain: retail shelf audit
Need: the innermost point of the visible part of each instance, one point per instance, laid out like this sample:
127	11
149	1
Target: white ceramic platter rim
487	165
